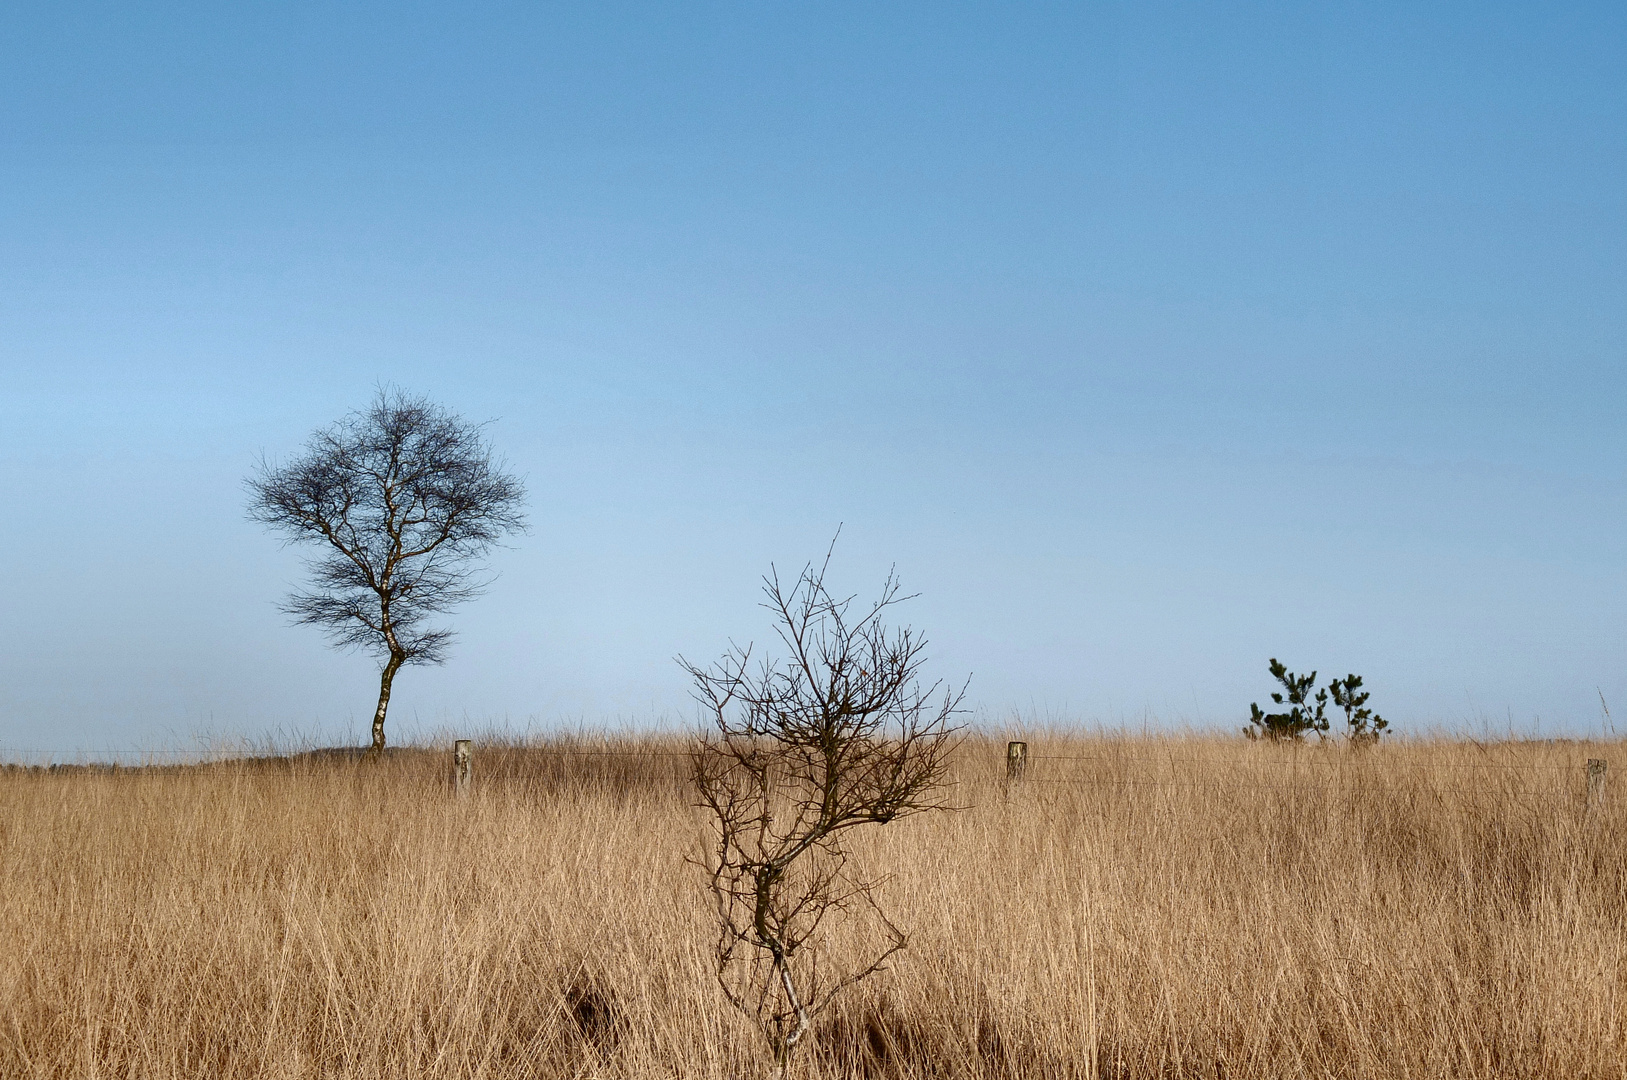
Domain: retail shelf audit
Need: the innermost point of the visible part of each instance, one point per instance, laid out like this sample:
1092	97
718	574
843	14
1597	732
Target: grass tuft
1139	907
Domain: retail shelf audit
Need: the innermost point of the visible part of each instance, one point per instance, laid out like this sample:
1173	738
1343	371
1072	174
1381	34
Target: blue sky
1149	341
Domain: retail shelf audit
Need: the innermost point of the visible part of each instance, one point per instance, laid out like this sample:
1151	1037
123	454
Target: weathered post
1016	760
1596	768
463	752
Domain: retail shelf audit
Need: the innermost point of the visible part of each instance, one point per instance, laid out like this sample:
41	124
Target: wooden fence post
1016	760
463	752
1596	768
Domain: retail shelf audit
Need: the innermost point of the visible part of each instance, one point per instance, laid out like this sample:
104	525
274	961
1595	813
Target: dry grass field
1139	907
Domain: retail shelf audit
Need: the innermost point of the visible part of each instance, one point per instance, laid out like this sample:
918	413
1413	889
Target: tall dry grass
1140	907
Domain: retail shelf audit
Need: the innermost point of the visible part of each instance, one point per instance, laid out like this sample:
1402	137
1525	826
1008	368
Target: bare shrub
839	734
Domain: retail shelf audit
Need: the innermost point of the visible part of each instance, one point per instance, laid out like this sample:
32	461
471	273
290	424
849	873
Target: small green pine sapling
1362	725
1304	713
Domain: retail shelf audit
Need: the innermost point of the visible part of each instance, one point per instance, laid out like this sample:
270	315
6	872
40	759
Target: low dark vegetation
1305	709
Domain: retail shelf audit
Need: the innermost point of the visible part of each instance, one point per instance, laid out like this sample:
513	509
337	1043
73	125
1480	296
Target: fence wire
508	767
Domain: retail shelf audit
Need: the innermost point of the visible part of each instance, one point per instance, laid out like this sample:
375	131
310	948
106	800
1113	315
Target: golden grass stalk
1178	907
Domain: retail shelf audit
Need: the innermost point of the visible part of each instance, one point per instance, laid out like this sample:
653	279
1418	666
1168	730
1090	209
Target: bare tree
839	734
401	499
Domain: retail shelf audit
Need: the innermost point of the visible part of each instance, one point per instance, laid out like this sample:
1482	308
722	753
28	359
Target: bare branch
839	733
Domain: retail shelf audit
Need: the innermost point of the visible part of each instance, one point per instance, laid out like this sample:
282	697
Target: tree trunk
385	679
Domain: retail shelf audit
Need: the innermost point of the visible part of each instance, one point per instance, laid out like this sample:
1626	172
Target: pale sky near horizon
1148	341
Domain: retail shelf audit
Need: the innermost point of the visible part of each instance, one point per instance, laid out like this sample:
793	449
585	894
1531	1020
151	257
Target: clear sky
1148	340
